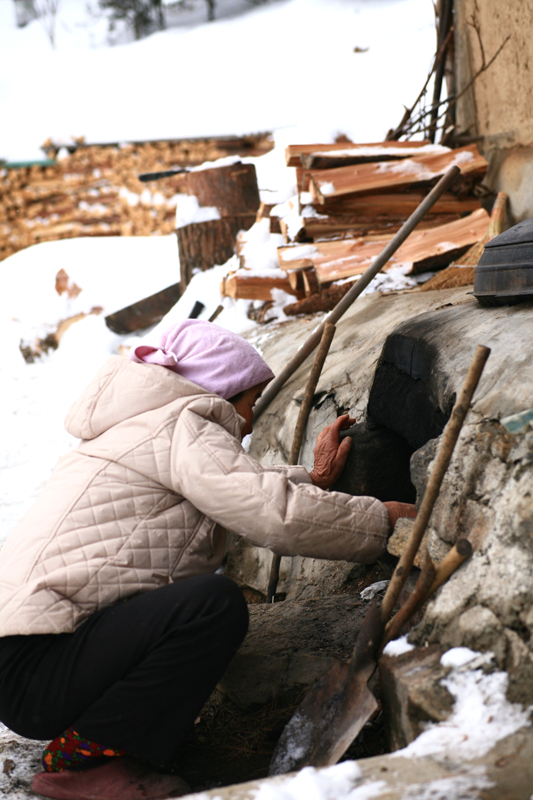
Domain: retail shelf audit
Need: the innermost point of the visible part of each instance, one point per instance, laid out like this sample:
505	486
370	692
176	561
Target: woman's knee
226	597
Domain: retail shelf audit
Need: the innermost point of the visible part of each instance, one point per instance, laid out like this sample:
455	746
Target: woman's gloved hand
330	456
397	510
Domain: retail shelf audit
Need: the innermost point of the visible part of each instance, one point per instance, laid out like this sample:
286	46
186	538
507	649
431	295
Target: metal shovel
336	708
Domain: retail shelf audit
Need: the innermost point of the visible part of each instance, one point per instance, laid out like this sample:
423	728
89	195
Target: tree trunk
201	245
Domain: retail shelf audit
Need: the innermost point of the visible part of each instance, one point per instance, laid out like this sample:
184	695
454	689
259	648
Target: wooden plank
247	285
145	312
425	249
394	204
354	227
361	178
297	154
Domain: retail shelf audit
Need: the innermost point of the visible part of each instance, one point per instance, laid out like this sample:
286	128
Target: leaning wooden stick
343	305
451	434
301	422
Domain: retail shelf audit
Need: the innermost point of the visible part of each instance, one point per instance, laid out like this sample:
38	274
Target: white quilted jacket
142	501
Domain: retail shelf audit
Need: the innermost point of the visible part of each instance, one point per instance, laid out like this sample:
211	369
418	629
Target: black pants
134	676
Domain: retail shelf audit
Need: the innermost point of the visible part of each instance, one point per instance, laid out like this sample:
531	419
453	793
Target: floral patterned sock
70	750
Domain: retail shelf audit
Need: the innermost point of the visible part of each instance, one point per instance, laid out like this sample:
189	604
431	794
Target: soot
407	407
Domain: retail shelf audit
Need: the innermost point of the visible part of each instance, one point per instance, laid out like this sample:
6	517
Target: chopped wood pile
95	191
352	198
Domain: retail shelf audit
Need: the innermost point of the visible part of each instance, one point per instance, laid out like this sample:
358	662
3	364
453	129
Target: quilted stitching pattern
136	506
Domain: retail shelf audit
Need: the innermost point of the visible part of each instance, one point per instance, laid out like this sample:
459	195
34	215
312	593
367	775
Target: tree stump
201	245
232	189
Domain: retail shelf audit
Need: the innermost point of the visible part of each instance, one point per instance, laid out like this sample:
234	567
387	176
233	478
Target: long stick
451	434
301	422
344	304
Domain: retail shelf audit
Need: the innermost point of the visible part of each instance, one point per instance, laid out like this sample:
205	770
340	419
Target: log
370	177
329	227
231	189
144	313
427	249
394	204
247	285
342	153
201	245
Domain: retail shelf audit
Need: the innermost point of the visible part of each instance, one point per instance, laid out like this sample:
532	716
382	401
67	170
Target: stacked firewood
95	190
352	198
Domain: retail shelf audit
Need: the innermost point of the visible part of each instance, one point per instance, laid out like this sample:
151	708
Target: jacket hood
122	390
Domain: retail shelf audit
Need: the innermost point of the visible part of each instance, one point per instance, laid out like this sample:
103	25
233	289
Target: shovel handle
451	434
301	422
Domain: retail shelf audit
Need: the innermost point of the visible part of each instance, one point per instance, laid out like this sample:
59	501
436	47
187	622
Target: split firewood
428	249
247	285
319	156
386	175
394	204
314	228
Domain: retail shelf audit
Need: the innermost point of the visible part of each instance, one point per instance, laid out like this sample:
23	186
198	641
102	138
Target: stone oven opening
409	404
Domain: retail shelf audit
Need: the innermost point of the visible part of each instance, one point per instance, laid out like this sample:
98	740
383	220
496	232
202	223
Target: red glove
330	456
397	510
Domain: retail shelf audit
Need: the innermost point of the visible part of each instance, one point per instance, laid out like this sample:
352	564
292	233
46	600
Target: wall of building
497	108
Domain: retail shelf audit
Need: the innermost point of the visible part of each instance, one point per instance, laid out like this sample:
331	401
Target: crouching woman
114	626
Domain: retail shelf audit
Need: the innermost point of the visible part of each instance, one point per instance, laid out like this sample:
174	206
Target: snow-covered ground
287	64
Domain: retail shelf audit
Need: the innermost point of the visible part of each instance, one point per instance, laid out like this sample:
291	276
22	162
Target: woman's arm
211	470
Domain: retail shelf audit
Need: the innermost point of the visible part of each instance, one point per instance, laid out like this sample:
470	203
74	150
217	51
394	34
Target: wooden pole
451	434
344	304
301	422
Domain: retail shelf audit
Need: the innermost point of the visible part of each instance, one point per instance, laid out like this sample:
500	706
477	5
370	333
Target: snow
239	74
332	783
398	647
371	591
481	715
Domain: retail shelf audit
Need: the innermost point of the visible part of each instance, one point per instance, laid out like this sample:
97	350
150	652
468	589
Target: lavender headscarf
208	355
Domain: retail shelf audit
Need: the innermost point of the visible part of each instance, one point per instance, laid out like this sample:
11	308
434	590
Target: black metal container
504	274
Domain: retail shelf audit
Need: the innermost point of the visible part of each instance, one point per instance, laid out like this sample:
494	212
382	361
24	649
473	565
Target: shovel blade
334	711
327	721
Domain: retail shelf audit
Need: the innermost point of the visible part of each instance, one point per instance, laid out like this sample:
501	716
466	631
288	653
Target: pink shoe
121	779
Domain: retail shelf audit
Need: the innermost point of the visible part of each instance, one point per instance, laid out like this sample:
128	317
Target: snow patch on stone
398	647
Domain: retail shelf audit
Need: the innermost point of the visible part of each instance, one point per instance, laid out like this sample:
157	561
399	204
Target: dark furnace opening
409	404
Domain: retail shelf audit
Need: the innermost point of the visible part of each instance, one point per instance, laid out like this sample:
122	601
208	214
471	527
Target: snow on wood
330	183
232	189
321	155
424	249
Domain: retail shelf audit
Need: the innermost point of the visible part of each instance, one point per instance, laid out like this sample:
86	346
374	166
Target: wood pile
352	198
95	191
